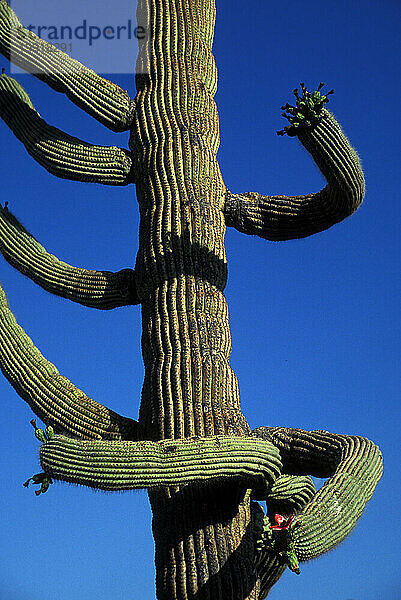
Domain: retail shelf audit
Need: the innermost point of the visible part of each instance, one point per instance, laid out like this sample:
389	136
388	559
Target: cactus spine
191	447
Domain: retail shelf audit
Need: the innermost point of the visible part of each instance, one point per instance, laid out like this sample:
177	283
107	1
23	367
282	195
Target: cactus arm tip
61	154
307	112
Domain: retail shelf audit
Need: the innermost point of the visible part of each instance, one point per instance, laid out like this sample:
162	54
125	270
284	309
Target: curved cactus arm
52	397
279	218
60	154
119	465
289	494
352	464
97	289
100	98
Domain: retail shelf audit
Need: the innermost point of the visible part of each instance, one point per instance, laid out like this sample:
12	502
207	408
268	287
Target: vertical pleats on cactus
191	447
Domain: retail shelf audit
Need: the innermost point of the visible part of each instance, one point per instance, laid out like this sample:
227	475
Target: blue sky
315	322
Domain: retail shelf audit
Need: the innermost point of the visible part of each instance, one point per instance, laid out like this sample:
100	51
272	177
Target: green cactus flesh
192	446
353	466
51	395
97	289
125	465
59	153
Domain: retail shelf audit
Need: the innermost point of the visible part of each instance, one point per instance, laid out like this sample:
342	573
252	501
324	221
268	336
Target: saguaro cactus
191	446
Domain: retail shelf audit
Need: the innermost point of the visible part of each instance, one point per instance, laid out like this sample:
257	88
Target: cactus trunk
190	388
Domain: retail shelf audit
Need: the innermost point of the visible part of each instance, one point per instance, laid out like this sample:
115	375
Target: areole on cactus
191	437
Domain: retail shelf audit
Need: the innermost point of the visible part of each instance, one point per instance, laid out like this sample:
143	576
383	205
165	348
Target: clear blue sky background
315	322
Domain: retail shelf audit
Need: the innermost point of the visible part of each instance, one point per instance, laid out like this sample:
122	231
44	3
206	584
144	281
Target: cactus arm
126	465
60	154
290	493
270	568
97	289
352	464
100	98
279	218
52	397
